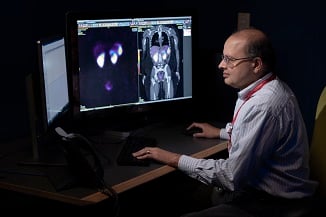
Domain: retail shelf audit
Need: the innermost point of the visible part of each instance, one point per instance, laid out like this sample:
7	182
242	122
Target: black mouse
193	130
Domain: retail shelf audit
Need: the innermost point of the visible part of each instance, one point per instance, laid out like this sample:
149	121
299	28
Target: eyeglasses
228	59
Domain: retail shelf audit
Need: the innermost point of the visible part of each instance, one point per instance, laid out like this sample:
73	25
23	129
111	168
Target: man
267	171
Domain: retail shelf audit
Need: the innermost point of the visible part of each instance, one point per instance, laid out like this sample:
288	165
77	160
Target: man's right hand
208	130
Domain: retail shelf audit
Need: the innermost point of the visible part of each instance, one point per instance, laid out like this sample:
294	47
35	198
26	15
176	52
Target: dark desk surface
34	180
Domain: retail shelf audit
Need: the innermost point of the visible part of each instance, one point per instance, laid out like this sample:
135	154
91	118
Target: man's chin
227	81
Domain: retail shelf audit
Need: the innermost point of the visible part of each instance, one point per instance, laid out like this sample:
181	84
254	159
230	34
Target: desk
30	180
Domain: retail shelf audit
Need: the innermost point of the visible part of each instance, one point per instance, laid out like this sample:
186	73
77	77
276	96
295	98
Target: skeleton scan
160	62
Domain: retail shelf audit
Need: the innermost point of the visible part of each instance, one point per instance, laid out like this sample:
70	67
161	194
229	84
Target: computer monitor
122	62
53	80
48	91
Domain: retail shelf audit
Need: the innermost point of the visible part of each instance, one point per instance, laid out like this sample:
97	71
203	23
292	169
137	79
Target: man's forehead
235	44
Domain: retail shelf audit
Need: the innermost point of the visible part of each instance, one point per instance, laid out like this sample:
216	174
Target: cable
111	193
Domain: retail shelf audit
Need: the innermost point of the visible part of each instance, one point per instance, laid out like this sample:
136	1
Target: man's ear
257	64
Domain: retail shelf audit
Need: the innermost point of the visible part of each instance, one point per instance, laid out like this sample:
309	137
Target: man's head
247	56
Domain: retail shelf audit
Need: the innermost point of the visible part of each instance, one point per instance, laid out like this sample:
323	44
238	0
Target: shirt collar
244	92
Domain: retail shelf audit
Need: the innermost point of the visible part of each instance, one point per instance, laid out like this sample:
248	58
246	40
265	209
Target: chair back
318	146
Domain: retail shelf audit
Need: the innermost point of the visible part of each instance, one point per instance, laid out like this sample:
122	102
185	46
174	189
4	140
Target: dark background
297	30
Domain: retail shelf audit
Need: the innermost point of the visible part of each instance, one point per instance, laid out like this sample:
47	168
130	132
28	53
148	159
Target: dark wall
298	33
298	36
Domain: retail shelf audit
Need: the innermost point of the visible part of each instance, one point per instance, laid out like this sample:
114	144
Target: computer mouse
191	131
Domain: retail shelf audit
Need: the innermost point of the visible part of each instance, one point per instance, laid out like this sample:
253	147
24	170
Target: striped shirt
270	149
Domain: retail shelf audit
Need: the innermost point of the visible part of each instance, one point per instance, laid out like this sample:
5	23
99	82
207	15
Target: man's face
237	66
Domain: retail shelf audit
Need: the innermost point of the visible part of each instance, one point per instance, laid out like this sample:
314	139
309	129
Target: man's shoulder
274	97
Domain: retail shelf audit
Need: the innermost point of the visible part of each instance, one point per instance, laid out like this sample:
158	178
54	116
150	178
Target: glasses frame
228	59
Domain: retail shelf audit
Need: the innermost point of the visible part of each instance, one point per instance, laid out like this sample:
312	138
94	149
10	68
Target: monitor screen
129	61
53	84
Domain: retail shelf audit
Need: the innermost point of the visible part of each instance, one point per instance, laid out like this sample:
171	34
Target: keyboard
132	144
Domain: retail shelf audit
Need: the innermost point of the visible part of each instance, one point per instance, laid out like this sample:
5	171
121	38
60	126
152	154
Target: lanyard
248	96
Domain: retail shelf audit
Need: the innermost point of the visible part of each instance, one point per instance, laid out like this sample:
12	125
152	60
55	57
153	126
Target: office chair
318	146
318	151
317	164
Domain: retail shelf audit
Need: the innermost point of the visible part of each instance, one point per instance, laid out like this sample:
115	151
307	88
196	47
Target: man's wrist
218	135
174	160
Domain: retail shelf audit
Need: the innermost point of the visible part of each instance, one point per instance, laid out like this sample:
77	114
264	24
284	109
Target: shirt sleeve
224	134
233	172
208	171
